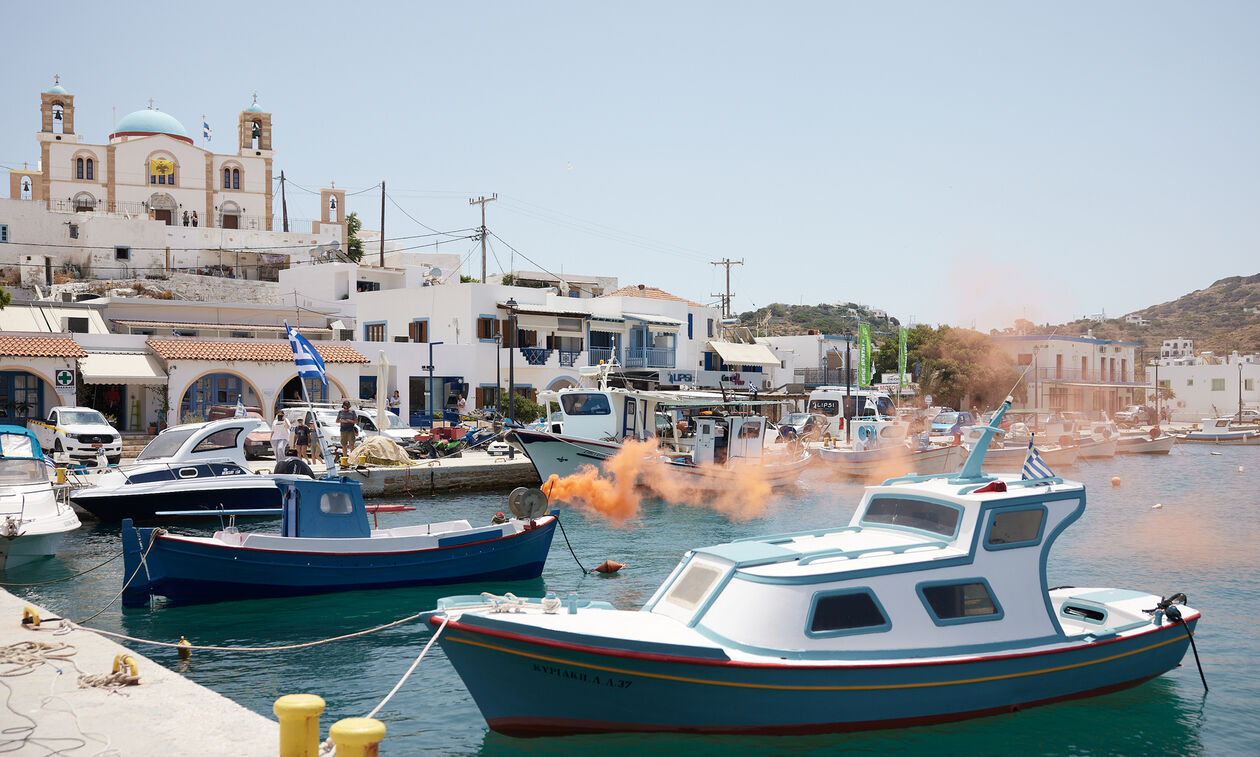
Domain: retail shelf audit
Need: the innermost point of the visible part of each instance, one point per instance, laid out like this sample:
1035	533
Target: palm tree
6	299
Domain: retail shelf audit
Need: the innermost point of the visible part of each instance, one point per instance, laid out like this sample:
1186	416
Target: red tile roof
651	293
259	352
40	346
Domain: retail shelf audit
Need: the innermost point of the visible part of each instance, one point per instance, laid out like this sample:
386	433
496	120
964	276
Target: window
1025	358
74	230
236	178
418	331
90	170
1218	385
826	407
1015	528
227	178
4	237
487	328
960	602
1248	384
487	396
122	253
1189	382
912	513
692	585
710	328
374	332
335	503
750	430
78	168
586	404
849	611
77	325
219	440
690	321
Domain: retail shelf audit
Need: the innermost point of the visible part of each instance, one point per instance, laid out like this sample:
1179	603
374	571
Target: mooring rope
280	648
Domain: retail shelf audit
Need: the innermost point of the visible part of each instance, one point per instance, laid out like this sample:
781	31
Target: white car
366	422
79	433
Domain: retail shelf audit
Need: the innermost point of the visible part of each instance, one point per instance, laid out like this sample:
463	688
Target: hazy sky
949	162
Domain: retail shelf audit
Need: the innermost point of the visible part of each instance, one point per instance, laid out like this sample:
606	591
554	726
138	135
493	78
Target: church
151	167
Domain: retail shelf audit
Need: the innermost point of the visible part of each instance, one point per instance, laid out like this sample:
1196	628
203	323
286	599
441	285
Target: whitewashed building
1074	373
1209	389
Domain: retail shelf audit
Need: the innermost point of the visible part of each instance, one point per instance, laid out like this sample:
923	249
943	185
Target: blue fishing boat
932	605
325	544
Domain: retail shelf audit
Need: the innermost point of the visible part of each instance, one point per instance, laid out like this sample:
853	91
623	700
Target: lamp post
498	382
511	308
1158	417
848	389
432	423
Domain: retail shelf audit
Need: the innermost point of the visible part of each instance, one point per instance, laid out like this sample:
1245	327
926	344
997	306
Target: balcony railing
568	358
637	358
1089	375
599	355
536	355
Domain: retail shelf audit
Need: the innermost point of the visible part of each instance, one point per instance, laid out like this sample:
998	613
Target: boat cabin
196	442
323	509
21	459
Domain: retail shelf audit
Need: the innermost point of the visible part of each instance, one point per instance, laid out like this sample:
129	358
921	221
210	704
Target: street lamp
498	382
432	424
511	308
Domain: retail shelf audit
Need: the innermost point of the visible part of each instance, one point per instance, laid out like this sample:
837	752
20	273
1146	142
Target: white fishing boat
1222	431
32	520
1154	442
882	449
932	605
1007	454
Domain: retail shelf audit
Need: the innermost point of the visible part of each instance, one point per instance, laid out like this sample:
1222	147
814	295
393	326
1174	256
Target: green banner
864	355
901	356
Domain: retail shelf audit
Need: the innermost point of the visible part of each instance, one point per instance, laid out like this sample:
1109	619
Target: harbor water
1201	540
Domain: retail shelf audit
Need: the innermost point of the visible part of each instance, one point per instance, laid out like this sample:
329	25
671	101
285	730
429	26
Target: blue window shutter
690	318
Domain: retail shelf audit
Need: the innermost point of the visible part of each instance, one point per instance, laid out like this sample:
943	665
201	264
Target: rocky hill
779	319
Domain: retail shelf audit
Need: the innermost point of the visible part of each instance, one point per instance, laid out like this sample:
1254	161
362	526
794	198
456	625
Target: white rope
281	648
509	602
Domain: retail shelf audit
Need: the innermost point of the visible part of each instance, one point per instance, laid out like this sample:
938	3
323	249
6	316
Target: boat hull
1227	437
141	502
889	462
25	549
192	571
561	456
1011	459
529	686
1097	449
1144	445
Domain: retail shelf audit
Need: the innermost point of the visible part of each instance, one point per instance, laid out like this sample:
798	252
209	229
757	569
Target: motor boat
932	605
325	544
1007	453
32	520
1154	442
189	468
882	449
1221	431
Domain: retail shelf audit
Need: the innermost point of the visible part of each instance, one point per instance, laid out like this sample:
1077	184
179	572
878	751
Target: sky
965	163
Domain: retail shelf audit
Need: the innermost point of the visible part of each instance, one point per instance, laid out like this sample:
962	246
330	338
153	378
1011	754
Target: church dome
254	109
56	89
143	123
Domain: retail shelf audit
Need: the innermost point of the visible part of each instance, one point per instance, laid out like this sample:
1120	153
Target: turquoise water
1202	542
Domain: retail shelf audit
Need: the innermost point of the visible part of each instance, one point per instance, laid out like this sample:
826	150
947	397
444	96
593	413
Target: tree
524	410
885	360
964	368
354	245
466	279
6	299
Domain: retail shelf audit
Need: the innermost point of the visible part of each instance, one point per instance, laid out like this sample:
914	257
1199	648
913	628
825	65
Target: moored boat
1154	442
1221	431
326	545
32	520
883	451
930	606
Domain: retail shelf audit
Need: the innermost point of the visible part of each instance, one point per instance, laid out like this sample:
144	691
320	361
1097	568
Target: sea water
1201	541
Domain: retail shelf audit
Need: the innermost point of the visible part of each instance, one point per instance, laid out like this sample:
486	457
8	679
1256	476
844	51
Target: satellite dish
333	246
526	503
435	273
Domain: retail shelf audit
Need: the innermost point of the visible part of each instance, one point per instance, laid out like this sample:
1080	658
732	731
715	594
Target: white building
1176	349
1209	389
1134	318
1074	373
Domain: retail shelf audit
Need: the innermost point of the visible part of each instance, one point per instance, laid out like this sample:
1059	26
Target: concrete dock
165	714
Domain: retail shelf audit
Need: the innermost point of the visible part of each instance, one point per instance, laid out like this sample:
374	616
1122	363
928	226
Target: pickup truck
1135	415
81	433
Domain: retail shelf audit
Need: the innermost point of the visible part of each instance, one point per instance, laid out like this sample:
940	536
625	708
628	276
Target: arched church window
227	178
89	172
332	209
26	188
78	168
236	178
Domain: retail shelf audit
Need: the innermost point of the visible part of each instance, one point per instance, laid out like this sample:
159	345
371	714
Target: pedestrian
280	435
185	217
313	439
347	420
460	405
194	218
395	402
302	440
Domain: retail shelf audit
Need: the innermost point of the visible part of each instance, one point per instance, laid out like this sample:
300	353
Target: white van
865	402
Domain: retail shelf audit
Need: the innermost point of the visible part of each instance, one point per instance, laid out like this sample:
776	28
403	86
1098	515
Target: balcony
597	355
568	358
1087	376
535	355
653	358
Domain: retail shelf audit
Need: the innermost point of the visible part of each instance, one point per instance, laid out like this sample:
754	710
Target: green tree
6	299
466	279
962	368
886	356
524	410
354	245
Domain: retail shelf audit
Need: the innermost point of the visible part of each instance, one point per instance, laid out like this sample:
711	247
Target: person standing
194	218
280	428
347	420
461	406
395	401
302	440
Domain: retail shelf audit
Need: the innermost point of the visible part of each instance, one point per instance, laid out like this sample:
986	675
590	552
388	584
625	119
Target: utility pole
482	202
726	298
284	205
382	224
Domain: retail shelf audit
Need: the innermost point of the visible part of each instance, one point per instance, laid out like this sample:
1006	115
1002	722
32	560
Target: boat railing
785	538
826	554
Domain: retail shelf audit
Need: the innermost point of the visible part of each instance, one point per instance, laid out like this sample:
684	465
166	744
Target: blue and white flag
48	461
205	130
1034	466
309	363
240	408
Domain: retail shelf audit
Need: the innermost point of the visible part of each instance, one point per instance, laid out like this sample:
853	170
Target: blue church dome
144	122
56	89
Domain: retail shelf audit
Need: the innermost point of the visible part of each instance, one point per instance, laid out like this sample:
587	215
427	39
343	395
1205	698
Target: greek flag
309	363
1034	466
205	130
48	461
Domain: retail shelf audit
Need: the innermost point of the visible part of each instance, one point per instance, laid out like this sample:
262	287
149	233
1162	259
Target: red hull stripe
536	726
456	625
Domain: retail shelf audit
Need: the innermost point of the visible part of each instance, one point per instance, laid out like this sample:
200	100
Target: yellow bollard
61	475
357	737
299	724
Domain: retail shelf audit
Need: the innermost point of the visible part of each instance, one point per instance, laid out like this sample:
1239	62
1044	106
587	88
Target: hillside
779	319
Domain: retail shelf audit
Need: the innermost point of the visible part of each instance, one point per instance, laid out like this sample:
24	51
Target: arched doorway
290	393
215	389
229	215
21	396
163	207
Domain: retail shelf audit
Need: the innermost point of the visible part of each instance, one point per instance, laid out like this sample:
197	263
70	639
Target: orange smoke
616	489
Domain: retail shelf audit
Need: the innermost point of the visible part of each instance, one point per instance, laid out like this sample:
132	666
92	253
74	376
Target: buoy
185	648
1240	469
608	566
1115	480
1157	506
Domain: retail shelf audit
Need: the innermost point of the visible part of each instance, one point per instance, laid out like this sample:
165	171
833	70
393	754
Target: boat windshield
82	417
18	471
585	404
16	445
166	443
912	513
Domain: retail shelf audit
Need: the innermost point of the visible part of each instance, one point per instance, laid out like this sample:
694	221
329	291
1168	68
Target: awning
656	320
121	368
735	353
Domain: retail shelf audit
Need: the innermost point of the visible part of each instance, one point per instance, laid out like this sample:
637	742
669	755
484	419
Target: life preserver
865	433
1154	433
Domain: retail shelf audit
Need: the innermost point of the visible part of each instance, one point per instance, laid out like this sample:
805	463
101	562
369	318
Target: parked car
258	442
803	426
1135	415
81	433
943	422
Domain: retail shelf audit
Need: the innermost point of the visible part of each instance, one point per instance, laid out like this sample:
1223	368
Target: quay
164	714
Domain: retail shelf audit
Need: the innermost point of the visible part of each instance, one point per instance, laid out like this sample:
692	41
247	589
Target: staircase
133	443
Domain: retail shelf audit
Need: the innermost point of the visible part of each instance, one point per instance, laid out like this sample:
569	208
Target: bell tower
255	130
56	110
332	214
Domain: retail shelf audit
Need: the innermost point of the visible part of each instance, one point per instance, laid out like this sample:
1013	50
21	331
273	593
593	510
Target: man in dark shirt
347	418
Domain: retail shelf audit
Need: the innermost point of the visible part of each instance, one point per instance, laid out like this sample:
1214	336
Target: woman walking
279	435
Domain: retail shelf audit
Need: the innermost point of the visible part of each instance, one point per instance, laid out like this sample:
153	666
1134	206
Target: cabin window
960	602
847	612
1015	528
335	503
692	585
1087	614
585	404
913	513
225	439
750	430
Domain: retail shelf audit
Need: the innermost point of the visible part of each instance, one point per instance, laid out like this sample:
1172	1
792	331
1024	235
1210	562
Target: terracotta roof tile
651	293
40	346
216	326
260	352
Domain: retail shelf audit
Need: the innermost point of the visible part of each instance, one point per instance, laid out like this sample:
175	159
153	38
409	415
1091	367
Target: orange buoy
1115	480
608	566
